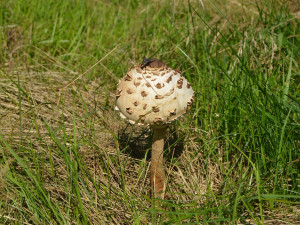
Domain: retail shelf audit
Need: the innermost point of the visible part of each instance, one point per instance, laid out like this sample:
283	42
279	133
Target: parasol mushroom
154	94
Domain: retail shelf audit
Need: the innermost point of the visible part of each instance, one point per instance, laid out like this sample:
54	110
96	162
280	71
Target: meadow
66	157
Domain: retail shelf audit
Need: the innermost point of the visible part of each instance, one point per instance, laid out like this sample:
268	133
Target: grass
66	156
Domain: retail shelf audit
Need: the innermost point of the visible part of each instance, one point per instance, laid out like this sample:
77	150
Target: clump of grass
68	158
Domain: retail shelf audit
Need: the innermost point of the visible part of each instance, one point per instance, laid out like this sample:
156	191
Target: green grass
67	158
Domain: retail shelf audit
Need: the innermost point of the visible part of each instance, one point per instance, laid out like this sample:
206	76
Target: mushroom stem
157	176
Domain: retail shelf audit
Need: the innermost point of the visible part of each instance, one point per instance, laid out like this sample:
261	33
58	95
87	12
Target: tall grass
66	157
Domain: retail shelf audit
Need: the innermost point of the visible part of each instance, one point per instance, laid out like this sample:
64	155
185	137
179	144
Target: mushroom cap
153	94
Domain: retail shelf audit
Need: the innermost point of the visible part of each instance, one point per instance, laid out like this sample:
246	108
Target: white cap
154	94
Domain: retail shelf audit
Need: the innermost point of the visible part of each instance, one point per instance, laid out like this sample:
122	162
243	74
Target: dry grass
42	103
187	176
82	153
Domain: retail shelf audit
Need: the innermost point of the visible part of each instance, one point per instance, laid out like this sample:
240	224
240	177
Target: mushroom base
157	176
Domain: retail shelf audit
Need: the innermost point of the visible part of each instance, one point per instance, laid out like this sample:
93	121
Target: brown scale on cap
178	71
127	77
155	109
190	102
148	76
129	111
118	93
154	79
159	86
169	79
129	91
173	113
144	93
136	83
144	106
188	85
148	85
135	103
140	78
159	96
180	83
142	118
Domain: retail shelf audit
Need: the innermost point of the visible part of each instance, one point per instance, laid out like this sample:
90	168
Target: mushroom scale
161	96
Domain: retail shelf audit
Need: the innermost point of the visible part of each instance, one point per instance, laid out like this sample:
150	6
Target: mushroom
162	96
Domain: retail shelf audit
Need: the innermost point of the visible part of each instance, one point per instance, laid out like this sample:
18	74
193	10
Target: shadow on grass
136	142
